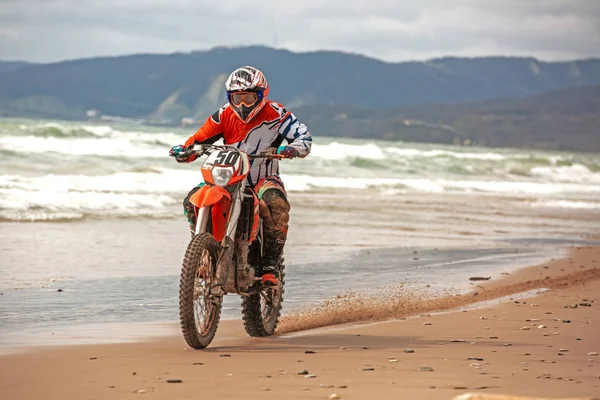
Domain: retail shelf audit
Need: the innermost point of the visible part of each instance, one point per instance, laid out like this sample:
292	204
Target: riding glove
180	153
287	151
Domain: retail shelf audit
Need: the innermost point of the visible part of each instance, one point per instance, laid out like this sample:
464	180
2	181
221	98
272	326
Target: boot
272	253
270	276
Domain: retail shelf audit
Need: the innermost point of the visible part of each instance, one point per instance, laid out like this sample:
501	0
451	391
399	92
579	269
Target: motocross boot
275	213
274	242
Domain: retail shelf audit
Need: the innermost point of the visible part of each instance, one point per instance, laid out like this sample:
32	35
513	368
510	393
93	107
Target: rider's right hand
180	153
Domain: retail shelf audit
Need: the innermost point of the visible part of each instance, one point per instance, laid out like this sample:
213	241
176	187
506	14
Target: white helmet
247	91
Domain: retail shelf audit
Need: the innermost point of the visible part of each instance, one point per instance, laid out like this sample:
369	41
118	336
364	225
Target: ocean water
70	171
95	210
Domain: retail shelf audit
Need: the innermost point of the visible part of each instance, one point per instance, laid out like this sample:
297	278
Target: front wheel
261	310
199	311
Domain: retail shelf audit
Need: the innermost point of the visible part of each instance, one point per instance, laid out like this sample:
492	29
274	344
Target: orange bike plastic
220	200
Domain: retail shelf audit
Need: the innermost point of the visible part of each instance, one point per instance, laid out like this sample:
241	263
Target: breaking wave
73	170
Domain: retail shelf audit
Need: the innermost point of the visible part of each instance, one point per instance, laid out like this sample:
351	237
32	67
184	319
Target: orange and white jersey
267	129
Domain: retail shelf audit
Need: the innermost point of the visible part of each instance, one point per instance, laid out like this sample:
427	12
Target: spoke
264	296
266	307
202	300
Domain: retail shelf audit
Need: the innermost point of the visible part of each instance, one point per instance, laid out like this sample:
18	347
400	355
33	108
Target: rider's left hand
287	151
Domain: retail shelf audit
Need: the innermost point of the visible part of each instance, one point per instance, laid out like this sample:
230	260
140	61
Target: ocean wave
581	205
519	187
570	173
413	153
146	170
95	148
152	179
368	163
441	161
42	215
307	183
338	151
54	129
65	130
99	130
70	171
45	205
155	181
155	191
107	147
99	140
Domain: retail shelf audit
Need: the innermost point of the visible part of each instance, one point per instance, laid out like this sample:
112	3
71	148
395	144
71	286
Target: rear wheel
261	311
199	311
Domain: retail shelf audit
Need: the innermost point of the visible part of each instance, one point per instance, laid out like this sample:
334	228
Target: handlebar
267	154
204	149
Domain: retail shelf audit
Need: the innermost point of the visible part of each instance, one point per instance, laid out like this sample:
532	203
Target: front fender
209	195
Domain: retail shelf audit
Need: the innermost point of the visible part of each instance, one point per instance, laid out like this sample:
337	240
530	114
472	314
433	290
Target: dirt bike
224	253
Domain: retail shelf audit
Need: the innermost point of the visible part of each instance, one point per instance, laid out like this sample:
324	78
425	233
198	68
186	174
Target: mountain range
566	119
502	101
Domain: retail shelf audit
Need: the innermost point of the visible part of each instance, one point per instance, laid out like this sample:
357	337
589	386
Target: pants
274	210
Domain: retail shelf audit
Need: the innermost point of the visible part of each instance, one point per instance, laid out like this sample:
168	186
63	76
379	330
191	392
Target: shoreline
39	315
354	359
500	262
525	279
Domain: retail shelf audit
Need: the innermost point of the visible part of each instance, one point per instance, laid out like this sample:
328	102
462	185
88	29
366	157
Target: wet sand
545	345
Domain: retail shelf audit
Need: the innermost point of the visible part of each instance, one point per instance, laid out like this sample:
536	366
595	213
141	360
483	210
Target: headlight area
222	175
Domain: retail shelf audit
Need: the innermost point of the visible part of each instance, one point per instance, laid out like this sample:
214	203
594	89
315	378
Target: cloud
50	30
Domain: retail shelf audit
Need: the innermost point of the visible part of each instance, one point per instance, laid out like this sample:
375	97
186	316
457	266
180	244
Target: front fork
225	265
227	273
202	220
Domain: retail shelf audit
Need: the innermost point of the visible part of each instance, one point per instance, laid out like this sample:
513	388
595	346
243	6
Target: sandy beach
384	239
544	345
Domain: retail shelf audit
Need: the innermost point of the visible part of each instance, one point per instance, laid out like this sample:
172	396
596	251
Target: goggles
247	99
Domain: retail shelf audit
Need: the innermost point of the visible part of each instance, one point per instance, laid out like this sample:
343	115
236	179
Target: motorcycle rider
254	124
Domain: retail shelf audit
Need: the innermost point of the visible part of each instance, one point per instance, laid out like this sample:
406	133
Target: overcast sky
52	30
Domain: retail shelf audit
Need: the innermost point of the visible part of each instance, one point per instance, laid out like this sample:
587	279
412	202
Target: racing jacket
267	129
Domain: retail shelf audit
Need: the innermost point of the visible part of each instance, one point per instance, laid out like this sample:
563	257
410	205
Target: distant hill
7	66
168	87
567	119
